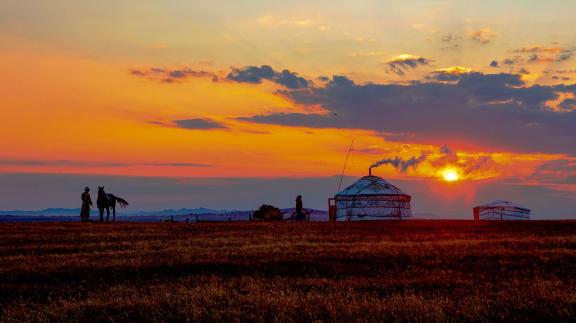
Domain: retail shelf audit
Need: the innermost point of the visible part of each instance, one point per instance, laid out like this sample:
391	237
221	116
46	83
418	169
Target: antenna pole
344	168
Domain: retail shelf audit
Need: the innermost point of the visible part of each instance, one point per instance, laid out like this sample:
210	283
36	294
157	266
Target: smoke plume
400	163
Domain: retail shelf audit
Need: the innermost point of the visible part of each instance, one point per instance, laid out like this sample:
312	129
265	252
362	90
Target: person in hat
86	204
300	215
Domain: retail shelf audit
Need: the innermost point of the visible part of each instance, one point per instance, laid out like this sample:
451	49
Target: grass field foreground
395	271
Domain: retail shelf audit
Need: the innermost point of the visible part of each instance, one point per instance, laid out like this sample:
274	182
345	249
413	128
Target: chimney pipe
370	171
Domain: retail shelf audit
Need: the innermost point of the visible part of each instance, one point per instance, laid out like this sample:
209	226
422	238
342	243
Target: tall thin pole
344	168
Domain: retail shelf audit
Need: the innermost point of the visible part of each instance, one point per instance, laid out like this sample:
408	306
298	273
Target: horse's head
101	190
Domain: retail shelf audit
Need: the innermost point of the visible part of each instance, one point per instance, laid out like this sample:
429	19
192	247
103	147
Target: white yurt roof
371	185
504	204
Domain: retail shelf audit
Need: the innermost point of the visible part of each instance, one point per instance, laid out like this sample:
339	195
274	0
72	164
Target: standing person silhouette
300	216
86	204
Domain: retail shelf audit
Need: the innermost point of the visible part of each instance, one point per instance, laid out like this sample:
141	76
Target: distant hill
169	212
179	215
50	211
76	211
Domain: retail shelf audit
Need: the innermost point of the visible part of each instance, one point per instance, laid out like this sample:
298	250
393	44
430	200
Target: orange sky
66	107
71	102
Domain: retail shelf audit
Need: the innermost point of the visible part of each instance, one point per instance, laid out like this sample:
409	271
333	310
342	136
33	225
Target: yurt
501	210
370	198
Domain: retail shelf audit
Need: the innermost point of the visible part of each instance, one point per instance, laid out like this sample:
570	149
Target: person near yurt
501	210
300	216
370	198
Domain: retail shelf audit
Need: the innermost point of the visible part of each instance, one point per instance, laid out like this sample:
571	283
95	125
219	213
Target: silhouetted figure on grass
107	201
86	204
302	215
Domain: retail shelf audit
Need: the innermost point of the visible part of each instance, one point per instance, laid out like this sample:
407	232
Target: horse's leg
101	214
107	213
113	213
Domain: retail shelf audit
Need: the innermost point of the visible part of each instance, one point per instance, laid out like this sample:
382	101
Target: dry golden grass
408	271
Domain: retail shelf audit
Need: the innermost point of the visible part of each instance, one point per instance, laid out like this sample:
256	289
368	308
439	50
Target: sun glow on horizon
450	175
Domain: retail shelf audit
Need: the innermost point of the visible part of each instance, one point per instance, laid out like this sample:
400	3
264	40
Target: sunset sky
231	104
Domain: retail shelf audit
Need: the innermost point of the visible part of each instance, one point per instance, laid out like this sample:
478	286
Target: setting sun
450	175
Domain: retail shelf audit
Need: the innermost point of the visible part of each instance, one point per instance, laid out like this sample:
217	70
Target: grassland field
360	271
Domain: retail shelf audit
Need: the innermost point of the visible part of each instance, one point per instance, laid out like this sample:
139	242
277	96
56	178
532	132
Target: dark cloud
291	80
255	74
404	63
138	72
172	75
543	49
563	78
561	171
339	80
294	120
562	71
478	80
198	124
497	111
523	71
252	74
177	74
568	105
564	57
512	61
452	74
537	55
58	163
537	58
508	61
81	164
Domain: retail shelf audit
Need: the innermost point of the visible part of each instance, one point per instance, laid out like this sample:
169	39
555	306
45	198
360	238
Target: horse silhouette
107	201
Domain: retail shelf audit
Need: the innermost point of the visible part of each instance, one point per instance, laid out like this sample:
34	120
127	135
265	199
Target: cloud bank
198	124
255	74
495	111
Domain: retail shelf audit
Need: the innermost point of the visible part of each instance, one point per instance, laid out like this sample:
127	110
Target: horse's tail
121	201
